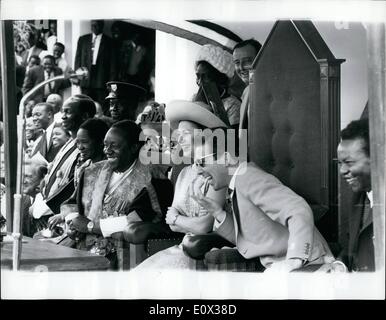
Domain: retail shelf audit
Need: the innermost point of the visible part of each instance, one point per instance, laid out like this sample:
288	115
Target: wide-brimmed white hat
218	58
199	112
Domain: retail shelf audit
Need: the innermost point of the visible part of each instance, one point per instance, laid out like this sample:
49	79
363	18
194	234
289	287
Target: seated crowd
86	185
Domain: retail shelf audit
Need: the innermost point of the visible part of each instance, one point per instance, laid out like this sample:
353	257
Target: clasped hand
171	215
79	223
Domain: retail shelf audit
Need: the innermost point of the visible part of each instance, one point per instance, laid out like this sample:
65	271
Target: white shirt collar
94	36
49	131
233	179
370	196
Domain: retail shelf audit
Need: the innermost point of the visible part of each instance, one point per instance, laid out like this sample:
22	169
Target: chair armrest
231	260
139	232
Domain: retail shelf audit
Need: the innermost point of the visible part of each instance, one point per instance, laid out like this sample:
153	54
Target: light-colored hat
199	112
218	58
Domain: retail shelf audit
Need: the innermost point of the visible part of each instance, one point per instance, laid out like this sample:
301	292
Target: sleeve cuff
294	251
111	225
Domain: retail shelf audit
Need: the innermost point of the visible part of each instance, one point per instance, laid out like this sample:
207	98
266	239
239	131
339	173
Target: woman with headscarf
216	65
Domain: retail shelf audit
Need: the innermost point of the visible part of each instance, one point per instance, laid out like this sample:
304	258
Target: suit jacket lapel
88	49
36	146
244	108
101	48
236	213
355	222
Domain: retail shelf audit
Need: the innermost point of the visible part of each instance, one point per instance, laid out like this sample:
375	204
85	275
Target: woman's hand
54	220
172	216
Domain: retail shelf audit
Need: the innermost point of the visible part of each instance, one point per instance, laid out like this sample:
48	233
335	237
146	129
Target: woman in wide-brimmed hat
186	215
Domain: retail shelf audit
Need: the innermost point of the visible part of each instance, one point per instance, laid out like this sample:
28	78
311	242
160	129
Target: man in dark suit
354	160
95	53
243	55
43	72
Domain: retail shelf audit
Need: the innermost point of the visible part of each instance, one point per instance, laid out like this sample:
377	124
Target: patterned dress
174	257
97	199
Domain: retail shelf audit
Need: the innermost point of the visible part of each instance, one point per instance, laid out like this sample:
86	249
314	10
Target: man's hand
285	266
334	267
217	175
54	220
209	205
79	223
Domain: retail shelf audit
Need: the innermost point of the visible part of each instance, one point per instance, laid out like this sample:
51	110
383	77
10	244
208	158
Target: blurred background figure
39	74
31	134
33	61
29	105
95	52
57	103
21	53
51	37
135	52
58	51
34	171
37	46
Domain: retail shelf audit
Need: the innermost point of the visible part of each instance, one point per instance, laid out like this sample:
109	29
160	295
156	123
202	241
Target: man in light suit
95	52
39	74
243	55
268	220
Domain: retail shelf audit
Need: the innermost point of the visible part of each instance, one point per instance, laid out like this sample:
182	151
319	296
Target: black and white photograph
192	150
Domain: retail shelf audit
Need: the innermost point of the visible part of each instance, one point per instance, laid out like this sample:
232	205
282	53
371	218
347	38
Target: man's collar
233	179
370	196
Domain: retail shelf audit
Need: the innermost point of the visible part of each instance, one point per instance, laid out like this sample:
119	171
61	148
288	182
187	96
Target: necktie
366	214
48	86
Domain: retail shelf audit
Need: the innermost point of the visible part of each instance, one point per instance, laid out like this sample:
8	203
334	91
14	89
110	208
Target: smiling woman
59	136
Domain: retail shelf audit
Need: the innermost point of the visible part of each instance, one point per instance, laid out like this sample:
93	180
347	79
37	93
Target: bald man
57	103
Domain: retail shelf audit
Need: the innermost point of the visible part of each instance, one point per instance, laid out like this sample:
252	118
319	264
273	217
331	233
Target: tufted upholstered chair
294	123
